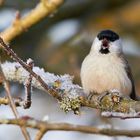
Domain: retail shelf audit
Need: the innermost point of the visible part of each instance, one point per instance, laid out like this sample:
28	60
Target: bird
106	68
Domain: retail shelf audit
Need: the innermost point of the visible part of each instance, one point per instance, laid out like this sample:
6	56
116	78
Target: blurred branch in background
1	2
22	24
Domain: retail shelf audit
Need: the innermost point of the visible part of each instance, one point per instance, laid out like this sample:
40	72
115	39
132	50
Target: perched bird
105	68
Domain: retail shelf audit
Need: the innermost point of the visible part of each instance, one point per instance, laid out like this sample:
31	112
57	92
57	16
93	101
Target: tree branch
46	126
22	24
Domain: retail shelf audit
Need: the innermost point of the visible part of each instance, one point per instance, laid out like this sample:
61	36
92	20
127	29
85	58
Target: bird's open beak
105	43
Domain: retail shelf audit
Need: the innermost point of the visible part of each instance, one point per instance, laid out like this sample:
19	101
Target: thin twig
12	104
28	86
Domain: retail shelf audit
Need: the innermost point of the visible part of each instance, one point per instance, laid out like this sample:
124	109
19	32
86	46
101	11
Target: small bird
105	68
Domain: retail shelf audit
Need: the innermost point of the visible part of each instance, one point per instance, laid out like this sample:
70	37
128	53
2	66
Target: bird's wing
130	76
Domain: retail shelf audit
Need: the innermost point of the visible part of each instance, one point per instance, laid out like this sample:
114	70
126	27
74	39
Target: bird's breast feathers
101	73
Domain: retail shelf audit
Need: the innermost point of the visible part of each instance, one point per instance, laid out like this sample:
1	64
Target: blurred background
59	43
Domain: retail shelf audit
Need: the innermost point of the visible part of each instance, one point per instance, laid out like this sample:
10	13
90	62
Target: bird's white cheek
96	46
115	47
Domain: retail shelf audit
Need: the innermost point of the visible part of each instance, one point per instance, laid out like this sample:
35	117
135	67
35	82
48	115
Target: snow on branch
15	72
69	95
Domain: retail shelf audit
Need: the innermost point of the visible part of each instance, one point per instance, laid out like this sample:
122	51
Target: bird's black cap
109	35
